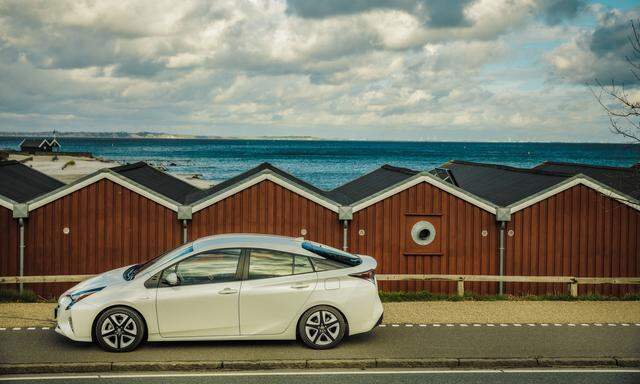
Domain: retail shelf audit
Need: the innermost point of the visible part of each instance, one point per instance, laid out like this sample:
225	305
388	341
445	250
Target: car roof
249	240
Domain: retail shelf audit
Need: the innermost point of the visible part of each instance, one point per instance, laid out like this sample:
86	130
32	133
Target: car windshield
332	253
134	270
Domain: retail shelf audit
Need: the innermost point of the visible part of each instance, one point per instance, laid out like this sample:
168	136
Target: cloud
435	13
382	69
600	53
555	12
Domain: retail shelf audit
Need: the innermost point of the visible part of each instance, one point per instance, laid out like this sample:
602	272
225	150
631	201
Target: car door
276	286
205	300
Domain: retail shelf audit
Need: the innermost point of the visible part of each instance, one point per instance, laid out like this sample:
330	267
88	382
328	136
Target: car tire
322	327
119	329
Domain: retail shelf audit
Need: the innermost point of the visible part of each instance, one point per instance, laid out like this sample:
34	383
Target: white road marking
408	325
3	329
449	325
477	325
381	325
504	325
531	325
517	325
571	325
611	325
395	325
491	325
311	373
624	324
463	325
436	325
544	325
557	325
598	325
584	325
31	328
45	328
17	329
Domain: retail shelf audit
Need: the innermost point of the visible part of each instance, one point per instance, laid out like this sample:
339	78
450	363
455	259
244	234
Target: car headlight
77	296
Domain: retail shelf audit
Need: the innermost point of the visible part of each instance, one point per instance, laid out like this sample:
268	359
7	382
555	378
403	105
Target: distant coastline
148	135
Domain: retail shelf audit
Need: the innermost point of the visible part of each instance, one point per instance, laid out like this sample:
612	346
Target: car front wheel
322	327
119	329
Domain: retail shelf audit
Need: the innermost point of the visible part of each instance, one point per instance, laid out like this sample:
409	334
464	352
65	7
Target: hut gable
264	171
156	180
461	235
98	176
578	229
20	183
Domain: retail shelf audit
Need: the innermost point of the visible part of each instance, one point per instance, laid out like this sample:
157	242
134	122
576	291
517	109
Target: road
508	341
617	376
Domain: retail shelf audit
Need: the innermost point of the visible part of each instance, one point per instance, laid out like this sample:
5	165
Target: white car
227	287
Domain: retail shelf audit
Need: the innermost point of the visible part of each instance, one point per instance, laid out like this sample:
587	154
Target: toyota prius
227	287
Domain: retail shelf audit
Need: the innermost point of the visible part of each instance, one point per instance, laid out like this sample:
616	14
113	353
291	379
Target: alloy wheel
322	327
118	330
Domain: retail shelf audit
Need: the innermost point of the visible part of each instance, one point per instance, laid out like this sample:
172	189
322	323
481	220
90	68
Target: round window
423	233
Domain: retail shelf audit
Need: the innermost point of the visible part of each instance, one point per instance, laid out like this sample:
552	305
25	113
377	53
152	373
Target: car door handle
228	291
300	286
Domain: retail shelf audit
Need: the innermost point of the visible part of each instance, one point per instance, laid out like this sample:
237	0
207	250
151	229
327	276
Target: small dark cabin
39	145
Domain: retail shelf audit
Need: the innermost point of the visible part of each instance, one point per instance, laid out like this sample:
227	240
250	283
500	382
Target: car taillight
369	275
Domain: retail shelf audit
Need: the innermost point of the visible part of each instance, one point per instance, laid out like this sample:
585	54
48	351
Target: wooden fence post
461	287
573	288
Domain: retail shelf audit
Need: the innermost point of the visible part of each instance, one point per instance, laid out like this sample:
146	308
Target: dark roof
156	180
370	184
21	183
245	175
623	179
500	184
33	143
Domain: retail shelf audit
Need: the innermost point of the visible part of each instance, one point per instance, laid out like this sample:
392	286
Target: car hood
109	278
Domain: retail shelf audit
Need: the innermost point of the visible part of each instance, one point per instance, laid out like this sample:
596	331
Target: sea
328	164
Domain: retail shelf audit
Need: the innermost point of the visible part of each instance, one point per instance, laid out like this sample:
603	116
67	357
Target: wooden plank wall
578	232
464	249
9	236
109	227
268	208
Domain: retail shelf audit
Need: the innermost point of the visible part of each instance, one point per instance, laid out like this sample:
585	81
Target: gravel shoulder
41	314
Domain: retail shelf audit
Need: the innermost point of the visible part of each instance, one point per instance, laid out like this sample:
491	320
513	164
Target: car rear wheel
119	329
322	327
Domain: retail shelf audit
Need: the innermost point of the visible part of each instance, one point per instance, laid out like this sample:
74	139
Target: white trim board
424	177
106	174
7	203
257	178
570	183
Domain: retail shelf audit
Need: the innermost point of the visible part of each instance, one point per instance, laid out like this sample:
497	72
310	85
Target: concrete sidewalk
41	314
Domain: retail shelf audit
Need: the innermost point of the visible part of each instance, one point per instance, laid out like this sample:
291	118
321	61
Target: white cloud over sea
378	69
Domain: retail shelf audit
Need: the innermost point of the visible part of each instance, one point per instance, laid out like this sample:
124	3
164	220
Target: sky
459	70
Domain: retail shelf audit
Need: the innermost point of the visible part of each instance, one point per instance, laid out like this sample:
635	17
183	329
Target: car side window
216	266
302	264
326	265
264	264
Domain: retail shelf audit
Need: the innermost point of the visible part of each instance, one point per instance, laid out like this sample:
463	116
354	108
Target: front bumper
75	322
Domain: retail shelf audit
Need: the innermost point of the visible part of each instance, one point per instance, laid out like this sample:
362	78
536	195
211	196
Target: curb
244	365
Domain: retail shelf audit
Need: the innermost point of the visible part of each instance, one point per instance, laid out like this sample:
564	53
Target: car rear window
333	254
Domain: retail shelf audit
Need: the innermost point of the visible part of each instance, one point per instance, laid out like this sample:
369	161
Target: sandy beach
69	168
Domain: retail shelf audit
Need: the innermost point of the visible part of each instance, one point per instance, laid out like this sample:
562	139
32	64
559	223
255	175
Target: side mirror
171	279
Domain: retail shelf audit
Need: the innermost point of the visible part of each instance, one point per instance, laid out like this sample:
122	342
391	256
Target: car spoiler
332	253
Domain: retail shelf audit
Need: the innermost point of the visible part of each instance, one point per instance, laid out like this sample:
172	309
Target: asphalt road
361	377
45	346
